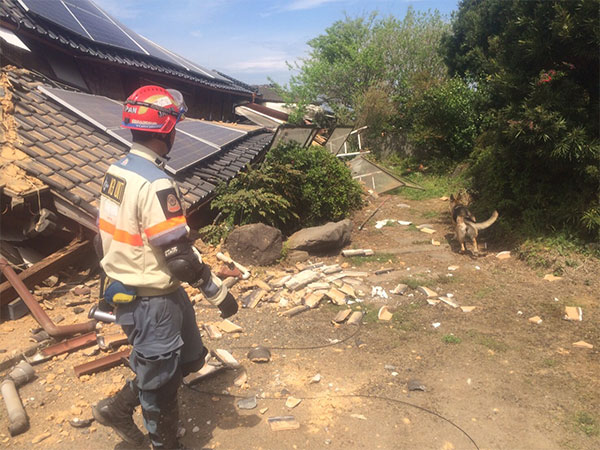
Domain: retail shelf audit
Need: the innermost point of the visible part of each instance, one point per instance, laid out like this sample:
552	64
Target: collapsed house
62	86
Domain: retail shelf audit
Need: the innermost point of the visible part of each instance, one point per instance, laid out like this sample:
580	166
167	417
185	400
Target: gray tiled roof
71	156
12	13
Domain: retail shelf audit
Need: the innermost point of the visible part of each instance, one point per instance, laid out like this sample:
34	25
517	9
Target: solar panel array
84	18
196	140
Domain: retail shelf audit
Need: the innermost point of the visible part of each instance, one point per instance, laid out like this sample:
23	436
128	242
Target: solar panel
216	134
337	139
99	25
84	18
186	152
55	12
291	133
194	141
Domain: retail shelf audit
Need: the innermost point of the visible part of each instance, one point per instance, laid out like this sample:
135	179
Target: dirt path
500	381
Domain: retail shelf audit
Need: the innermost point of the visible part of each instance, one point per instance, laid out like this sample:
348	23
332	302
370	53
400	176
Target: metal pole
36	310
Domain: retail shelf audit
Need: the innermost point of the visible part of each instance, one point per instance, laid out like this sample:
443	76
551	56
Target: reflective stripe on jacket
140	211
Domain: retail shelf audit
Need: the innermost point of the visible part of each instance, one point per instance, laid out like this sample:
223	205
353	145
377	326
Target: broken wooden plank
112	340
70	344
46	267
106	362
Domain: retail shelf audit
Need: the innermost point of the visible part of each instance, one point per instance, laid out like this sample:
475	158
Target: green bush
445	121
320	187
295	187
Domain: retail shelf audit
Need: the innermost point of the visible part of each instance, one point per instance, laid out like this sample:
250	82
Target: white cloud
260	64
297	5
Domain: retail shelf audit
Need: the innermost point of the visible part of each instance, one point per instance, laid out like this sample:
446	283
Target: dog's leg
475	245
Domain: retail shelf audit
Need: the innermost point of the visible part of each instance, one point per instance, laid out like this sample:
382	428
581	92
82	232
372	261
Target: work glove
228	306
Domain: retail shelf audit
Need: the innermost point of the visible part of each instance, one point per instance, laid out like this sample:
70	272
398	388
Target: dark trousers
166	346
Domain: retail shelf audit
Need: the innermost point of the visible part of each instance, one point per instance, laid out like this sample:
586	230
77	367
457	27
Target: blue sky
249	40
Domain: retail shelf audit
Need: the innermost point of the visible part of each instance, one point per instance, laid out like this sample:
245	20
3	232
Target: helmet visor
179	102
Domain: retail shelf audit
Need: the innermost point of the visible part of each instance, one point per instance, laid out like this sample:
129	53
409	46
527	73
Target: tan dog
465	222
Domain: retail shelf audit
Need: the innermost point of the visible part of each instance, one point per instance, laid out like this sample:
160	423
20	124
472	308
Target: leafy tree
445	121
368	58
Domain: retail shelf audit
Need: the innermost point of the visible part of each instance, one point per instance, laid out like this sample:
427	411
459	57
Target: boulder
255	244
329	237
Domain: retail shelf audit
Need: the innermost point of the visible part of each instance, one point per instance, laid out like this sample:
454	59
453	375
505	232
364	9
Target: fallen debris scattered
341	316
104	363
384	314
247	403
551	277
282	423
292	402
400	289
227	326
355	318
358	252
428	292
415	385
259	354
535	319
582	344
573	313
226	358
503	255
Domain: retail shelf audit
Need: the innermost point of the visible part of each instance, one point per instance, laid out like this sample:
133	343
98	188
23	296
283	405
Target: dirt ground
492	378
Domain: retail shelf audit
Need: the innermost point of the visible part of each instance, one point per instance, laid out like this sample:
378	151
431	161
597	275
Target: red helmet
153	109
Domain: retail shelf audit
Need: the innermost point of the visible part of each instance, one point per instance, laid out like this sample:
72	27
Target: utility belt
116	293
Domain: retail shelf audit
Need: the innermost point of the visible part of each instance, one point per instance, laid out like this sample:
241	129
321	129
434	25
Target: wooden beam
48	266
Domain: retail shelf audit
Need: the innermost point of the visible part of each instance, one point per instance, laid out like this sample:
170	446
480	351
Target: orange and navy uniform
140	212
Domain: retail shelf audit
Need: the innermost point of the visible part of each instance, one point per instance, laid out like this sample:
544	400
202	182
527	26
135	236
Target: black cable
305	348
368	396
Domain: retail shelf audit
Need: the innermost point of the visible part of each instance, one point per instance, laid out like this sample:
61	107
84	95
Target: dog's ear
452	197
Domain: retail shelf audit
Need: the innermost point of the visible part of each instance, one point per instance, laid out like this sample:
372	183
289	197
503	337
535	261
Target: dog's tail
483	225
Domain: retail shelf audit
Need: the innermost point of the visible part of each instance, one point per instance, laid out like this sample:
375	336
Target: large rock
326	238
256	244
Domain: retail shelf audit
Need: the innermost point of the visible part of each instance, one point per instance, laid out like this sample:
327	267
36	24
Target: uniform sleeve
161	213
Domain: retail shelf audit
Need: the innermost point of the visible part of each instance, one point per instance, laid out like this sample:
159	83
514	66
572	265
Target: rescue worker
146	254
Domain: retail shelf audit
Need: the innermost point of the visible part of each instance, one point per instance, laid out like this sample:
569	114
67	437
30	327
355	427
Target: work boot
117	411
